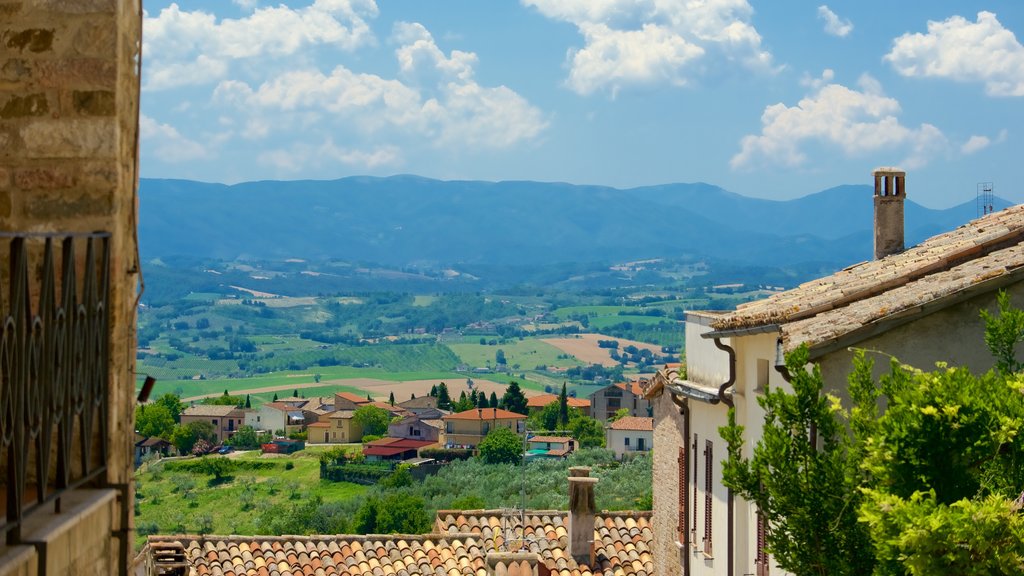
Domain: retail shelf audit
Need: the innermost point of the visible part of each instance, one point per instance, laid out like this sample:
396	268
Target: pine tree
275	396
391	398
295	393
248	403
444	401
563	407
433	390
514	400
494	400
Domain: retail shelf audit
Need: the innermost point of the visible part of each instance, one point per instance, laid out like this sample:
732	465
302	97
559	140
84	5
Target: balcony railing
54	378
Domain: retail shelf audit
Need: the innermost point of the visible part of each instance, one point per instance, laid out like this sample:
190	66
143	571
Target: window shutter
683	478
761	558
709	460
693	529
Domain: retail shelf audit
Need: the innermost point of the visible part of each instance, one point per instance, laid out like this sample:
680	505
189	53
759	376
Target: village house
549	447
920	305
414	427
466	429
417	405
395	449
281	417
605	402
629	435
226	420
349	401
538	402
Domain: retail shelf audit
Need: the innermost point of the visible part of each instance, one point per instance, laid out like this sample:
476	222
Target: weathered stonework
68	137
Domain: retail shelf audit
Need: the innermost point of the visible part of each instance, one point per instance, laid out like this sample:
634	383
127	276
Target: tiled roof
622	547
209	410
542	400
485	414
637	423
983	250
555	439
633	387
342	414
354	398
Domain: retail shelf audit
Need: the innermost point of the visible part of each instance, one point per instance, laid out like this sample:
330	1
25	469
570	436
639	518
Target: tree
275	397
463	404
154	420
444	401
481	400
563	407
801	478
620	413
394	513
588	432
433	391
295	393
494	400
217	466
514	400
373	420
1003	333
245	437
391	399
224	400
500	446
185	437
173	404
248	402
499	357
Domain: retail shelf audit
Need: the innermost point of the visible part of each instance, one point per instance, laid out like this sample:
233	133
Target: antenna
985	200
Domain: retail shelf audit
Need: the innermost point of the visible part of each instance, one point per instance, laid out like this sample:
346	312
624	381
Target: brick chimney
581	514
890	192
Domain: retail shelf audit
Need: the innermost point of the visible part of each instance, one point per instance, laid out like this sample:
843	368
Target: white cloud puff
856	121
630	42
191	47
438	102
166	143
834	25
964	51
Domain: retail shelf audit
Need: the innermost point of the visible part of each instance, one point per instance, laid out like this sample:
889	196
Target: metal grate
54	377
682	478
709	461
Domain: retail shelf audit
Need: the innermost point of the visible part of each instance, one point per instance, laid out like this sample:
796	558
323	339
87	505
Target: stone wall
69	109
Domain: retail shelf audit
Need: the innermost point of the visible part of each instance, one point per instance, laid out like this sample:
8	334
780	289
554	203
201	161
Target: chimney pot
890	193
581	514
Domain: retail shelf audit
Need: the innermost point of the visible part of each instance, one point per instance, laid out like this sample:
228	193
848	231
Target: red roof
485	414
633	387
393	446
552	439
638	423
543	400
353	398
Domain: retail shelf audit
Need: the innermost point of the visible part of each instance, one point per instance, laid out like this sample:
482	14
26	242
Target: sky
763	98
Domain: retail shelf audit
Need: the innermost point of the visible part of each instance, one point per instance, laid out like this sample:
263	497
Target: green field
527	353
165	500
605	321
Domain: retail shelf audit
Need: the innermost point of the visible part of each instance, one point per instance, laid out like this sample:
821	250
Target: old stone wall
69	109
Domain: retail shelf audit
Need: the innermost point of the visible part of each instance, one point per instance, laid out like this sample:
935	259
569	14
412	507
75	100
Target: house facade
629	435
468	428
919	305
605	402
416	428
226	420
549	446
337	428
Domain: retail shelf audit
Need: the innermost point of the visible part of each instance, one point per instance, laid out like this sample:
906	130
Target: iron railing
54	378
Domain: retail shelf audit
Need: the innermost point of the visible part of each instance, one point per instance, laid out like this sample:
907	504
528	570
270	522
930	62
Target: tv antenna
985	200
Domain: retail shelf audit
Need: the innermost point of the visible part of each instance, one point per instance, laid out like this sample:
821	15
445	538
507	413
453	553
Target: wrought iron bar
54	377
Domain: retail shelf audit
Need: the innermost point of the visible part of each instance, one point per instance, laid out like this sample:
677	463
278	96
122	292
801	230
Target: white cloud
166	143
826	77
630	42
964	51
439	102
191	47
834	25
856	121
975	144
247	4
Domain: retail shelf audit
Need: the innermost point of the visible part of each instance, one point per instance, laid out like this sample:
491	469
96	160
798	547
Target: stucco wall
68	139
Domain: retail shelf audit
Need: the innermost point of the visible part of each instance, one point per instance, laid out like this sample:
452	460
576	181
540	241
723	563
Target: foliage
801	479
400	478
1003	332
444	401
173	404
501	445
588	432
185	437
446	454
514	400
393	513
620	413
245	438
225	400
373	420
563	407
201	447
218	467
154	420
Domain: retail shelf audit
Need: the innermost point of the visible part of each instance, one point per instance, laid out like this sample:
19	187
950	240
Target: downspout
730	497
684	410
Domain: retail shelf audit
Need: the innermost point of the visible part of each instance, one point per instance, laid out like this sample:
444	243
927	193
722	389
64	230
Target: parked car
225	450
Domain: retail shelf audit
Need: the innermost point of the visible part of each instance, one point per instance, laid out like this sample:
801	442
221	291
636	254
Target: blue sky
767	99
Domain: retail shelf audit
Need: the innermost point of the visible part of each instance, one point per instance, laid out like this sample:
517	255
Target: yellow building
470	427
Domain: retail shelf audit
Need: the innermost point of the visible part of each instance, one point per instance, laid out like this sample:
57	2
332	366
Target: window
214	422
627	441
762	376
231	424
709	461
614	403
761	556
683	469
640	444
693	529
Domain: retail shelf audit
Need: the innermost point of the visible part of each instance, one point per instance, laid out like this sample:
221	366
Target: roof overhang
746	331
689	389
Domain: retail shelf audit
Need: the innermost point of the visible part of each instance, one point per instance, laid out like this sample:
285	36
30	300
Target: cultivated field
527	353
585	348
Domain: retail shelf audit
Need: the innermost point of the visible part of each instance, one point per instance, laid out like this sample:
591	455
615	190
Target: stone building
605	402
920	305
69	83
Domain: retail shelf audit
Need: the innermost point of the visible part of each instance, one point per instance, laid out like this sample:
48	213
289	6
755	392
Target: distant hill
404	220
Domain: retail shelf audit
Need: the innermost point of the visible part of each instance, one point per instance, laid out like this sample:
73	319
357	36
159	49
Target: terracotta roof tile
622	542
638	423
485	414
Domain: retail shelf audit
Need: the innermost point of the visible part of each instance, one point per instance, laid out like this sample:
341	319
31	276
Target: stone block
34	40
99	175
23	106
19	561
14	71
43	178
96	39
70	139
66	205
9	8
93	102
74	6
76	73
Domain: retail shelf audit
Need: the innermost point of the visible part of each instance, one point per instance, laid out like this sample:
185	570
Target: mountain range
409	220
